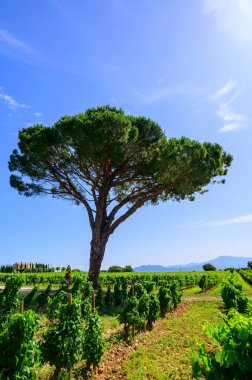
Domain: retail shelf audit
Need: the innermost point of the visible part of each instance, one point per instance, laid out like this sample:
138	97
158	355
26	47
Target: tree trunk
98	245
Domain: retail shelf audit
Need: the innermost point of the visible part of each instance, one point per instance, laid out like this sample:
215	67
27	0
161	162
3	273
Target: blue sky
185	64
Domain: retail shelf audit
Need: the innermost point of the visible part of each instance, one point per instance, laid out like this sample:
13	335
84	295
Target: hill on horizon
220	262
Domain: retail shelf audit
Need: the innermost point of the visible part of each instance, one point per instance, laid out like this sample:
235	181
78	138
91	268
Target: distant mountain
220	262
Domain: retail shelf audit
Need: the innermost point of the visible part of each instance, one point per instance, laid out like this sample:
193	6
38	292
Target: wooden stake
93	301
132	291
70	299
21	307
133	326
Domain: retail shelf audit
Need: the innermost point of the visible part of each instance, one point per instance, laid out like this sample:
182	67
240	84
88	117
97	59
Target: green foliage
54	305
105	133
144	309
175	293
10	298
99	299
124	279
30	297
249	264
232	295
149	286
139	289
109	297
78	284
165	300
231	360
6	268
124	284
154	310
127	269
93	343
42	298
19	352
208	267
86	308
62	345
115	268
208	280
247	275
129	315
87	289
118	296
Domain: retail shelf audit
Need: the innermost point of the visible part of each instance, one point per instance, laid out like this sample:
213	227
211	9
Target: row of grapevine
246	274
209	279
232	339
10	297
143	306
185	279
70	338
232	294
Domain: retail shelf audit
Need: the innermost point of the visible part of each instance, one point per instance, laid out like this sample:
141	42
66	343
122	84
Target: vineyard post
93	301
70	299
133	326
21	307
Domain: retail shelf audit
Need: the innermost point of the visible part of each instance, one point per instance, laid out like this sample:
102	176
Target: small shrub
232	357
19	351
93	343
165	300
154	310
62	344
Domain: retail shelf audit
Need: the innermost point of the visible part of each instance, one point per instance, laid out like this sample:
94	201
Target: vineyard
134	326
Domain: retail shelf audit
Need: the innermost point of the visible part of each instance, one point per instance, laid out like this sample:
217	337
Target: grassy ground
215	292
165	353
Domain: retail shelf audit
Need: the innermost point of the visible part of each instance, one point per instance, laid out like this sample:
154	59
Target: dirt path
111	365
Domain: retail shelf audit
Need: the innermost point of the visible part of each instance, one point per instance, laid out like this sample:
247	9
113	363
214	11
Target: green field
162	353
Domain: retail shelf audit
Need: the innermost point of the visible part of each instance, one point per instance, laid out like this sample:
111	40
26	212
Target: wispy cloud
8	39
15	44
10	101
228	115
239	220
230	127
14	47
163	92
38	114
224	98
220	223
61	8
224	90
234	17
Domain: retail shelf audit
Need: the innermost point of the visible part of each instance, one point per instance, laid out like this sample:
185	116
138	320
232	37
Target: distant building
23	265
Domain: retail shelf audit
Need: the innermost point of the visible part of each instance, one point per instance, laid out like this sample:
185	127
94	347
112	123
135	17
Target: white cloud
230	127
37	114
10	101
166	91
226	222
226	89
13	46
227	114
234	17
224	98
220	223
9	39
